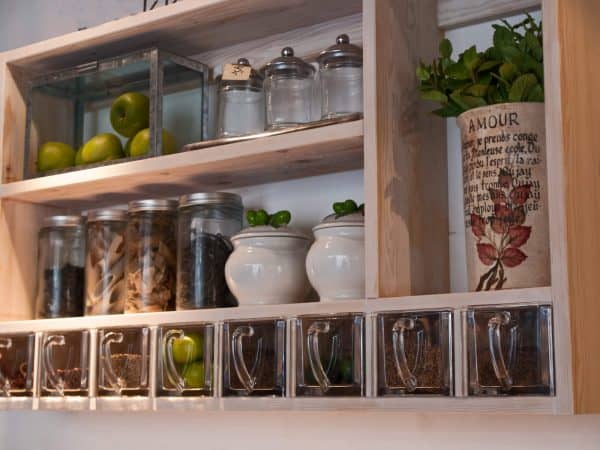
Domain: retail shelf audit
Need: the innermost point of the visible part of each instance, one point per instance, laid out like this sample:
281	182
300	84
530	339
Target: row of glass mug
509	352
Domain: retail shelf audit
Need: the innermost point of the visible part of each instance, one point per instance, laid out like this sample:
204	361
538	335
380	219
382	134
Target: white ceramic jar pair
270	266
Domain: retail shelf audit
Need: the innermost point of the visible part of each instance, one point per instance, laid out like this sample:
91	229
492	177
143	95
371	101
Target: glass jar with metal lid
289	89
60	277
341	77
151	256
241	101
206	222
105	288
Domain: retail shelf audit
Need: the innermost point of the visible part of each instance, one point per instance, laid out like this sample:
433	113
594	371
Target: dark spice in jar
128	366
429	373
202	273
71	378
63	292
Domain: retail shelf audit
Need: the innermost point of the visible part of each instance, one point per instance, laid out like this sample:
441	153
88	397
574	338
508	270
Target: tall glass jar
105	288
289	89
151	256
341	76
241	101
206	222
60	278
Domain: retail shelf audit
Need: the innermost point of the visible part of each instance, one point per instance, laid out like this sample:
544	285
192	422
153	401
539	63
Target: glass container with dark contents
60	278
65	362
105	288
254	358
414	353
206	222
151	256
16	364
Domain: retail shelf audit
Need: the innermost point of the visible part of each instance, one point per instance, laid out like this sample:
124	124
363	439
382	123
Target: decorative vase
505	196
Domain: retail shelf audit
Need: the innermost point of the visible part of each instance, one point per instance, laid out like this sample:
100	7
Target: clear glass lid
288	65
342	54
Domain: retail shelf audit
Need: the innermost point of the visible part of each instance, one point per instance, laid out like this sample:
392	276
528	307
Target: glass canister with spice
151	261
60	278
105	288
341	77
241	101
206	222
289	89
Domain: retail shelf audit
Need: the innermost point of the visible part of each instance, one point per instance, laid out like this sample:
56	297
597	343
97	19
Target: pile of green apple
188	355
130	117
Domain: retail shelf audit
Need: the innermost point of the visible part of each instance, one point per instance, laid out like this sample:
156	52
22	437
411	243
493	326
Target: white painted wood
456	13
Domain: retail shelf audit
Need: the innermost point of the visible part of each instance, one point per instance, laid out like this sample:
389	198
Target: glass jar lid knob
287	51
342	39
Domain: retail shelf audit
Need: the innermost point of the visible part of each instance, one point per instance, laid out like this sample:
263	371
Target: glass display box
16	364
137	105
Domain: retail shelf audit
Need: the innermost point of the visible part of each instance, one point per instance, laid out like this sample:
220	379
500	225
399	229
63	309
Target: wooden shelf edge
304	153
457	13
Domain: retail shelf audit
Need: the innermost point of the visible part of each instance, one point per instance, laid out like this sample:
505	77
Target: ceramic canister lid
356	219
269	231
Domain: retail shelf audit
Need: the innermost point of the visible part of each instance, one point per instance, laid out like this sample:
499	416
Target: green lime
193	375
280	218
102	147
262	218
251	217
140	144
338	207
55	155
188	348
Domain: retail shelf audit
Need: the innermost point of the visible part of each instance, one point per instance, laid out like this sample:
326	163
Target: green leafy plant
511	70
347	207
261	217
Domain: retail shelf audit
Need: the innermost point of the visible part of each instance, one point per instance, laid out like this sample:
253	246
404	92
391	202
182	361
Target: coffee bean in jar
151	256
105	288
60	277
206	222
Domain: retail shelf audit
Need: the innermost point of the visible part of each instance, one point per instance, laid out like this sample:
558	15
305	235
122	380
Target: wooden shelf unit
399	144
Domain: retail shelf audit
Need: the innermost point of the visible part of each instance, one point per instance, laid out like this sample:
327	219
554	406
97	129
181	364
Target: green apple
188	348
140	145
193	375
102	147
55	155
127	148
78	159
130	113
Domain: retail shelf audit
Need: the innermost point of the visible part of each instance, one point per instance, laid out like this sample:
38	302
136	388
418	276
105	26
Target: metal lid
253	81
289	65
153	205
342	54
63	221
356	219
211	198
107	214
269	231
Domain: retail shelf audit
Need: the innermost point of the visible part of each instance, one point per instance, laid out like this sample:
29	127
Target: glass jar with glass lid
105	288
151	256
341	75
241	101
60	277
206	222
289	89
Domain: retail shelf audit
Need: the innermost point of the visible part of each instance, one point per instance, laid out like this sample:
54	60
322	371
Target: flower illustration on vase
501	236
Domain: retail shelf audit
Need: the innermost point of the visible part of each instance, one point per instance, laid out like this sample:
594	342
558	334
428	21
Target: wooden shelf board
186	28
457	13
419	302
304	153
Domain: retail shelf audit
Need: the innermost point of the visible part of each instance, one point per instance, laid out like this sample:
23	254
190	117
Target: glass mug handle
116	383
54	379
5	344
501	370
314	357
399	346
168	362
245	376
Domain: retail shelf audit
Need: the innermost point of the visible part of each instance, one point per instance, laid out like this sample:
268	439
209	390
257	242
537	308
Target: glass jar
151	256
16	364
61	255
206	222
105	289
289	88
241	101
341	77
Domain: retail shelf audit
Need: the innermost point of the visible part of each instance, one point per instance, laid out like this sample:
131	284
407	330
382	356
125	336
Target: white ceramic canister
335	263
267	266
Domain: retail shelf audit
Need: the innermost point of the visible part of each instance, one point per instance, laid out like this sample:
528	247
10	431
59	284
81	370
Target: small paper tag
236	72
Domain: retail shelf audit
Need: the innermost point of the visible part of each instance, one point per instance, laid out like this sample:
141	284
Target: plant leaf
477	225
503	36
476	90
513	257
445	48
518	235
488	65
423	73
449	110
487	254
466	101
498	225
434	96
519	215
536	94
508	71
521	87
520	194
458	71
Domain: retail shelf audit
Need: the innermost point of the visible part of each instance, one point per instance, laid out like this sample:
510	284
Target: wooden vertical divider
406	181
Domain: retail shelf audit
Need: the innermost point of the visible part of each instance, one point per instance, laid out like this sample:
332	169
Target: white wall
25	21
